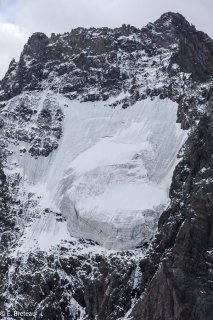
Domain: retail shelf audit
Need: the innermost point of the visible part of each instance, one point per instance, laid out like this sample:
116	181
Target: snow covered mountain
106	174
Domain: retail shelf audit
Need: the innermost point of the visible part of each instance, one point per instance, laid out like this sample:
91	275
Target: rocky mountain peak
172	19
36	45
194	48
97	62
37	37
173	24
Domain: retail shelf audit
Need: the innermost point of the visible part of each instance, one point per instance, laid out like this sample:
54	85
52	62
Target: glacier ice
111	173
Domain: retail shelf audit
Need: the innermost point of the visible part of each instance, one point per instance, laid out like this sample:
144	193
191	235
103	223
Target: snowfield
110	175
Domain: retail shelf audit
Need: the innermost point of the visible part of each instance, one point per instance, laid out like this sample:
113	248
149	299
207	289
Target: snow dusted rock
95	64
181	256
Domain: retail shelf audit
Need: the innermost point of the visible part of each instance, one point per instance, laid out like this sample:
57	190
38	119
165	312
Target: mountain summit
76	62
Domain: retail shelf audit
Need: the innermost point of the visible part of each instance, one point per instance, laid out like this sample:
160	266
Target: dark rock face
173	281
180	285
59	283
195	49
34	53
23	121
6	222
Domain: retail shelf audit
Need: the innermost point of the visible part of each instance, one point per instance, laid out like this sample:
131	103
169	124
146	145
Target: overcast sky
20	18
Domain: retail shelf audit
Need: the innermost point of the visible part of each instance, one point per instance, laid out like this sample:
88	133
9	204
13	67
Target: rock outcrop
97	63
179	286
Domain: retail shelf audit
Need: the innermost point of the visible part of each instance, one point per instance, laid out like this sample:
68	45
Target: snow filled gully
111	173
